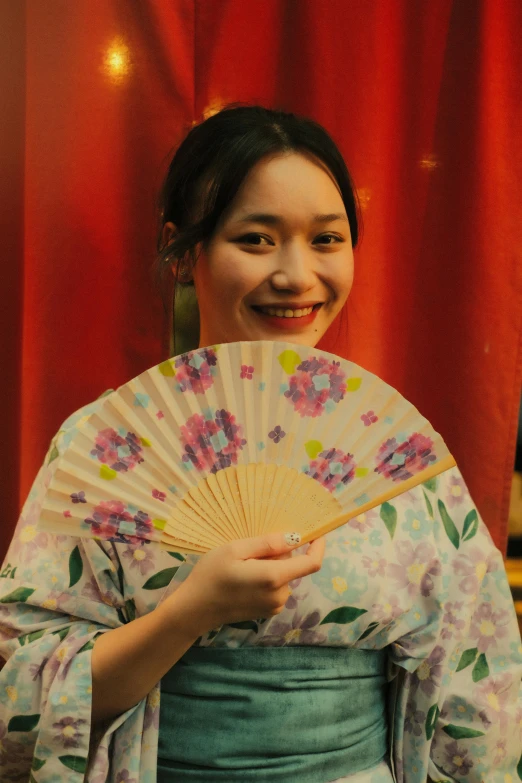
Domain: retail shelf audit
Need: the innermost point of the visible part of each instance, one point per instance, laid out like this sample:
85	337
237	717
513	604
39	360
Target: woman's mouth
287	317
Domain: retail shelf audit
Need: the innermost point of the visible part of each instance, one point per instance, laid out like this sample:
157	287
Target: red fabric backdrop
422	99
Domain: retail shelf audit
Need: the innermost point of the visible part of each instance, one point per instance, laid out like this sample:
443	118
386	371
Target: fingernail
292	538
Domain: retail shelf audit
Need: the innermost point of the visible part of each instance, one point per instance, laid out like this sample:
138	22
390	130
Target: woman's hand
245	579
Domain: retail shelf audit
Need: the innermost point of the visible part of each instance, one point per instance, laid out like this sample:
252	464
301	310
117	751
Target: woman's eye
250	236
331	236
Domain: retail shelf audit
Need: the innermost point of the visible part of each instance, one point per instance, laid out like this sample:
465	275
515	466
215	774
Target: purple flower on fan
333	469
78	497
120	453
400	461
211	442
277	434
316	386
247	371
369	418
194	370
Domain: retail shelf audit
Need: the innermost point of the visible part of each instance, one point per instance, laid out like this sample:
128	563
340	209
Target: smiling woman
385	651
260	168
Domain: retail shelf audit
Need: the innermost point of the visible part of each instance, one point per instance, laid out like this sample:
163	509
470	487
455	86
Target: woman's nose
295	272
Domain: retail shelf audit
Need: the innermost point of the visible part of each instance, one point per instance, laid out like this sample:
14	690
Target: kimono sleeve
57	594
458	699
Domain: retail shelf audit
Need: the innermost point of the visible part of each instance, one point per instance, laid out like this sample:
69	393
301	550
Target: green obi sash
281	714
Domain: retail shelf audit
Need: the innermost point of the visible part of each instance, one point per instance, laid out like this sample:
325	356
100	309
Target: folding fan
237	440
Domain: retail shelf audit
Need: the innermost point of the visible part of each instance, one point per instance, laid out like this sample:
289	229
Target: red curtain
423	101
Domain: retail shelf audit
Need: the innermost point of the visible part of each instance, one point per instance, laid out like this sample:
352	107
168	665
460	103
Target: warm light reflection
117	61
364	195
212	108
429	162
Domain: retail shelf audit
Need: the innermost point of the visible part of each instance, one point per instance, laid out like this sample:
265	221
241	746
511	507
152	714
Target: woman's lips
291	324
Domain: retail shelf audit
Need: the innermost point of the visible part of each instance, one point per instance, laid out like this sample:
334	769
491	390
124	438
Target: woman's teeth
286	313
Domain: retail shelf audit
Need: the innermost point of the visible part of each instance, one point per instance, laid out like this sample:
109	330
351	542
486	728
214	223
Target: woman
380	652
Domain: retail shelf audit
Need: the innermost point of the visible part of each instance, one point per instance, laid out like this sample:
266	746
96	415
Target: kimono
418	577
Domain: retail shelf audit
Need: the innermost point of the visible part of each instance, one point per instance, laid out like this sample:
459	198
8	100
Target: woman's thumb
269	545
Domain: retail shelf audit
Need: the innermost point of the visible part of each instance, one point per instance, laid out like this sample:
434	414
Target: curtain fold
422	101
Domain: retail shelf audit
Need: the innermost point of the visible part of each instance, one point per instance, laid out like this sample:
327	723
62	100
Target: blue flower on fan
78	497
277	434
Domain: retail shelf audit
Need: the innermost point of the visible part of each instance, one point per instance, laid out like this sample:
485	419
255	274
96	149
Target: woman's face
282	274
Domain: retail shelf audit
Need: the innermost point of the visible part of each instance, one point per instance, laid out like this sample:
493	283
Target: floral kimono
418	577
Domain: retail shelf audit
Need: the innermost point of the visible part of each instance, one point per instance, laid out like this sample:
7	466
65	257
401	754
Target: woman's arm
127	662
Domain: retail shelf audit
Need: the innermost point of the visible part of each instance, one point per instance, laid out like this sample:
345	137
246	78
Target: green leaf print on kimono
339	581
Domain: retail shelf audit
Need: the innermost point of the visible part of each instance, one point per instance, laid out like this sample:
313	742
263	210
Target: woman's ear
167	234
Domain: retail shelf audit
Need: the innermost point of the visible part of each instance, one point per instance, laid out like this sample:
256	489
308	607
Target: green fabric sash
282	714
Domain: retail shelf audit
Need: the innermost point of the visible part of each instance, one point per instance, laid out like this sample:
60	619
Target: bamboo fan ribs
237	440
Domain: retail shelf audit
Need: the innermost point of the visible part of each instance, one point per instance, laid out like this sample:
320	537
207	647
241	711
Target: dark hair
214	158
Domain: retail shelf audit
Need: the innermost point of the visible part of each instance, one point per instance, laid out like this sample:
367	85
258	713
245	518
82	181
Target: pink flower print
427	676
363	522
473	566
112	521
488	626
194	370
156	493
416	568
387	612
452	625
333	469
374	566
160	415
316	386
369	418
246	372
78	497
68	731
456	762
140	558
120	453
213	442
457	491
400	461
276	434
67	514
493	695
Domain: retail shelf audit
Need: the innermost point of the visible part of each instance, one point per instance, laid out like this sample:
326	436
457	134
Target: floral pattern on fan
316	386
195	370
112	520
333	469
120	451
211	442
399	459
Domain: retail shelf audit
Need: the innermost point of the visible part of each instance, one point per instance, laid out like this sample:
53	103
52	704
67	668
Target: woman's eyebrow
274	220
